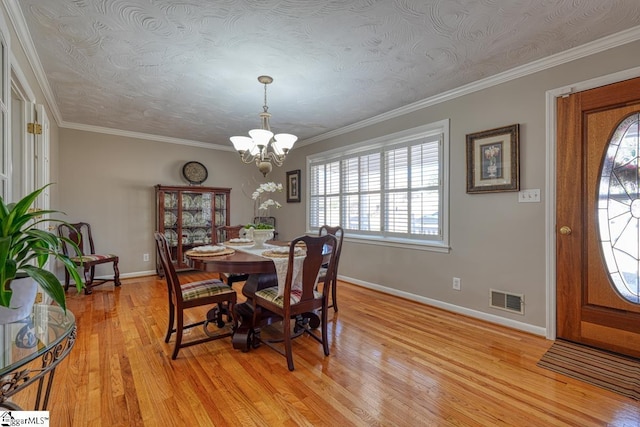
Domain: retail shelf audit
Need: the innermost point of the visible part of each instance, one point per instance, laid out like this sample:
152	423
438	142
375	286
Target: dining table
262	273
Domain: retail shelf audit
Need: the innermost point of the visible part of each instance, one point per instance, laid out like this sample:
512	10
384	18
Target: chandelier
261	146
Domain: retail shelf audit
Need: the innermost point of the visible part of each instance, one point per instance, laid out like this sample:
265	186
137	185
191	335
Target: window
619	209
392	189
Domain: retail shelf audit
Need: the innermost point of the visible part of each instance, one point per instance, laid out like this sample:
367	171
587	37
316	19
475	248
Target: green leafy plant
25	249
261	226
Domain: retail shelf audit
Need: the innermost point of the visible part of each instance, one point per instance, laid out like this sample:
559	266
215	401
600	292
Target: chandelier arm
275	158
247	157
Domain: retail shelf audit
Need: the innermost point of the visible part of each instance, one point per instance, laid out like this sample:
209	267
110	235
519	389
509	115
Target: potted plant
24	251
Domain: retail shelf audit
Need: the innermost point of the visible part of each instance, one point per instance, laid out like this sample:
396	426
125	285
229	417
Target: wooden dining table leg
257	282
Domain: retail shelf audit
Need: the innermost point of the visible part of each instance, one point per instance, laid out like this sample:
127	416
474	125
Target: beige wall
109	182
496	242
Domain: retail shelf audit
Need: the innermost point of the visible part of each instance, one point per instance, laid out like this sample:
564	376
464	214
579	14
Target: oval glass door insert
619	209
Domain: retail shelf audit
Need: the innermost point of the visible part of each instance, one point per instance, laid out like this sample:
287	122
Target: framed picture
493	160
293	186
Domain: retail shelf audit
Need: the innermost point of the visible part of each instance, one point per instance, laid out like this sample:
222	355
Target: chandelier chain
265	107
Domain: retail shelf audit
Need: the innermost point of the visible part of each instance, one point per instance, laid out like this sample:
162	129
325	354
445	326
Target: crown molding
146	136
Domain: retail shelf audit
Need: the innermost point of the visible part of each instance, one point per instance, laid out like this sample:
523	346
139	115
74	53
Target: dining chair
80	234
224	233
297	299
190	295
333	281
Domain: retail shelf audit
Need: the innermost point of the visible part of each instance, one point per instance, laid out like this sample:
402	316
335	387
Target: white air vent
506	301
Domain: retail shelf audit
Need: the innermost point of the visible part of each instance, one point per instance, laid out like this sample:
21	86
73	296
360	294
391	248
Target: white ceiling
188	69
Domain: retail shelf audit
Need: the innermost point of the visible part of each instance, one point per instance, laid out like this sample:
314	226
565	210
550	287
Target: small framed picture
293	186
493	160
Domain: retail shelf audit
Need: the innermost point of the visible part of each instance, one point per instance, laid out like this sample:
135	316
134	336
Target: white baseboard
123	276
537	330
137	274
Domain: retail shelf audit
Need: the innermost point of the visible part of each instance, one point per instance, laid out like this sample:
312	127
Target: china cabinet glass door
189	217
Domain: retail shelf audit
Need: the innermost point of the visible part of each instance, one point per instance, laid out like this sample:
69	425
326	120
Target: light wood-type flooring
393	363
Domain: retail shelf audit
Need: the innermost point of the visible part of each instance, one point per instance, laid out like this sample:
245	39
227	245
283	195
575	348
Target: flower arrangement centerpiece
262	205
261	232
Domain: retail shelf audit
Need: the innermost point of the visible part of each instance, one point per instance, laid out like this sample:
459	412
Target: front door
598	217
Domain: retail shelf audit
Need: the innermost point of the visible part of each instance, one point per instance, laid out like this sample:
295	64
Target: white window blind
392	188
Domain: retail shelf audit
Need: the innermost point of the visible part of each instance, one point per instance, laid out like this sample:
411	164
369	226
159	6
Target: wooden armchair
189	295
226	232
298	299
80	234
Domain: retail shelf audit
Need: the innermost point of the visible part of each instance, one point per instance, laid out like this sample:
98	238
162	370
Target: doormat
611	371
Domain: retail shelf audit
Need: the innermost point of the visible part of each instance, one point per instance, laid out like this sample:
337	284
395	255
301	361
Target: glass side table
48	334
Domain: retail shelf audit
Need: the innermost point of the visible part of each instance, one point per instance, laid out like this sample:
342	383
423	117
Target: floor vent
506	301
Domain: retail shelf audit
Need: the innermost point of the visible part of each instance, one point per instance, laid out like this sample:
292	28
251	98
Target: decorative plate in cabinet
170	219
186	201
219	219
172	237
170	200
199	236
187	219
199	219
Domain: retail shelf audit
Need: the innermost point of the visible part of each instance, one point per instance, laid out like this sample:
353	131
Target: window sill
420	245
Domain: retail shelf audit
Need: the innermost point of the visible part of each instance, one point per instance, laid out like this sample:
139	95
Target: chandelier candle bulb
261	146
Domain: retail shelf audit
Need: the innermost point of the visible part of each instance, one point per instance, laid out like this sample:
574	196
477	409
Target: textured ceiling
188	69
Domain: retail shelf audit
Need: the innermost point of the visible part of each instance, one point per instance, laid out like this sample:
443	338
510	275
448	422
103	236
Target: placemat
280	254
230	243
193	253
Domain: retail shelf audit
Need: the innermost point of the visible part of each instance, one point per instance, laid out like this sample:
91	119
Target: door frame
550	187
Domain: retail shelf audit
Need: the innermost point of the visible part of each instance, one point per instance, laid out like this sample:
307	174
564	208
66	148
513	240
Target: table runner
281	264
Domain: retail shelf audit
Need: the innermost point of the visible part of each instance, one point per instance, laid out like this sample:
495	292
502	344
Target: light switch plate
529	196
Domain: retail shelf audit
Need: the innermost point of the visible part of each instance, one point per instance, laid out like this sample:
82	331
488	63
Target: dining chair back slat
333	281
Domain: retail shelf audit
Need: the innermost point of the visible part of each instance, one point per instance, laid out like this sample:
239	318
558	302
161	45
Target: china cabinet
188	217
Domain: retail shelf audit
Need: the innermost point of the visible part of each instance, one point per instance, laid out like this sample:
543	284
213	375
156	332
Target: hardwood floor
393	363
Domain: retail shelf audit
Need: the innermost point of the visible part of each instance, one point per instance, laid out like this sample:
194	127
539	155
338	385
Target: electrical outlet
456	283
145	257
